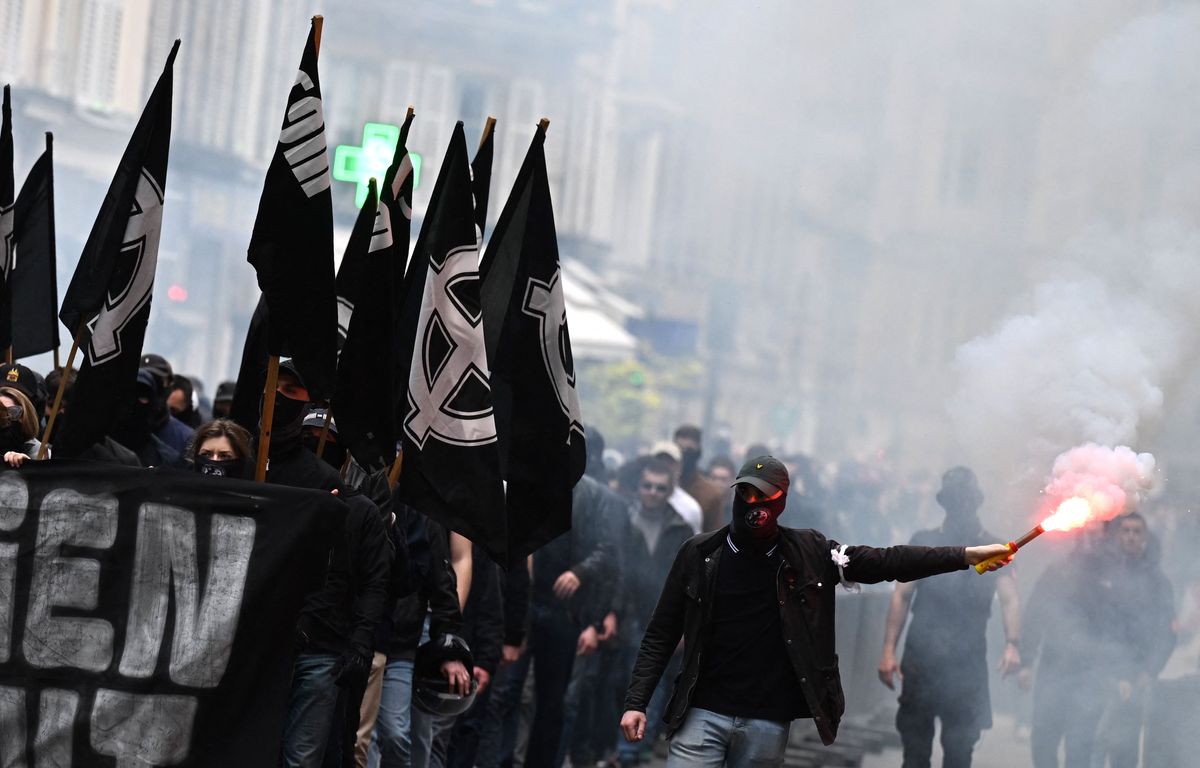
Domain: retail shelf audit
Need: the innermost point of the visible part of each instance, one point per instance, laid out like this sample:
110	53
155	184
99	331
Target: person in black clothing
455	740
433	594
654	536
499	707
1132	613
944	673
289	463
136	428
336	629
754	605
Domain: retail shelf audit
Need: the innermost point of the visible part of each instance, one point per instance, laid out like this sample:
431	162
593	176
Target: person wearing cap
944	675
754	605
681	501
223	400
29	382
18	427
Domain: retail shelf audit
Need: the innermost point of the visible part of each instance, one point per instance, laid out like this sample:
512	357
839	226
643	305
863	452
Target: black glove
352	669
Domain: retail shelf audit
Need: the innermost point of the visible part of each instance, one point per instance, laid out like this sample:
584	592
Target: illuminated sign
360	164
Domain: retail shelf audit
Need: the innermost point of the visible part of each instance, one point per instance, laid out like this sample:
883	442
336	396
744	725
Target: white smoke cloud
1111	480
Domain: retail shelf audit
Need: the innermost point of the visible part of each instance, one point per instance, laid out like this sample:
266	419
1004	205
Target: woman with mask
18	427
221	448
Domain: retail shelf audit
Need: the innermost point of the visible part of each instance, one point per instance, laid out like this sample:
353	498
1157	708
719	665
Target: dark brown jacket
805	588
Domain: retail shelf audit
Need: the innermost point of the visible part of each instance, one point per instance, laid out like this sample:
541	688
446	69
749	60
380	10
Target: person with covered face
944	673
753	603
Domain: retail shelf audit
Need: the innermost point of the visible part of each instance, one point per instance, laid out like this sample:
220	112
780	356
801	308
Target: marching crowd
420	651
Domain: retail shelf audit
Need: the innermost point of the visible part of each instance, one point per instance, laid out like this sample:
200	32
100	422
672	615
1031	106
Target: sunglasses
752	495
656	487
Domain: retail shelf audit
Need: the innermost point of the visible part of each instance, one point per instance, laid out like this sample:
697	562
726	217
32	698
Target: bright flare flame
1073	513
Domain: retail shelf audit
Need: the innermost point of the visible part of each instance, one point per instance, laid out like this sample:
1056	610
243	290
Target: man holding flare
754	605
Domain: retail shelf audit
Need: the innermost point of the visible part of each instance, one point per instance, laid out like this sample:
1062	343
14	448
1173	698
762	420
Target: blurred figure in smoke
1059	638
944	673
1134	613
683	502
712	497
720	470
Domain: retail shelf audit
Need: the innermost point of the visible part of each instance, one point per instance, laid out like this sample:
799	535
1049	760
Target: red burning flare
1073	513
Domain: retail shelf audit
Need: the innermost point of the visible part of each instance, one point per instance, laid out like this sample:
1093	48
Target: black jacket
343	614
805	586
588	550
515	588
483	618
433	587
293	464
645	571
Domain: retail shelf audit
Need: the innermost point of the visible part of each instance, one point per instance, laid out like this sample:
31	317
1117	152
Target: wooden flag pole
345	465
58	396
318	23
544	124
325	431
268	416
8	355
394	474
488	125
409	113
57	367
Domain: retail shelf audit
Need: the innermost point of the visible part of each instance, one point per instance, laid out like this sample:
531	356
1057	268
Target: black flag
35	280
362	401
291	247
533	375
112	285
397	195
481	175
252	374
7	191
451	466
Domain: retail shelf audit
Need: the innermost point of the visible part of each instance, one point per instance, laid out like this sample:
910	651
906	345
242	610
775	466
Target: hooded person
289	462
944	667
753	603
135	429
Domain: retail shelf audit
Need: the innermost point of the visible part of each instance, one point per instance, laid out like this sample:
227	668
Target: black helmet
430	690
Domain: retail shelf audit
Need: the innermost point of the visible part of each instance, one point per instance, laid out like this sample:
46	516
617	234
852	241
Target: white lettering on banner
69	518
205	600
303	137
56	727
403	172
12	727
204	627
141	245
449	357
545	303
141	730
14	498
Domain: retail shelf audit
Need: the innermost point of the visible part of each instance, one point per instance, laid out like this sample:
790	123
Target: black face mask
221	467
691	457
756	523
289	414
134	430
334	455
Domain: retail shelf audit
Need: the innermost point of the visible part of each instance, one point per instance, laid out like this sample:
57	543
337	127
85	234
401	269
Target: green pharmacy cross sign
359	165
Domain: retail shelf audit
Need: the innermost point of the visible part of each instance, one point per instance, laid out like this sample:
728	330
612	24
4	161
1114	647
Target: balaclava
961	498
11	436
756	524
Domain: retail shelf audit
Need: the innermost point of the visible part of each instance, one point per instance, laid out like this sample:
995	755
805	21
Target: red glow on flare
1073	513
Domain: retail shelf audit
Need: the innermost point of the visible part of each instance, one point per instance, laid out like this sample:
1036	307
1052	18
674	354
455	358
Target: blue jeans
312	707
709	740
393	726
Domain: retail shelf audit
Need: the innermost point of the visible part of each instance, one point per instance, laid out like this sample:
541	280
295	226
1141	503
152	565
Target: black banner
35	284
147	616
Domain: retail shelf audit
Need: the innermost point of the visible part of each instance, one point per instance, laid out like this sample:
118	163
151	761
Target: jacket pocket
834	697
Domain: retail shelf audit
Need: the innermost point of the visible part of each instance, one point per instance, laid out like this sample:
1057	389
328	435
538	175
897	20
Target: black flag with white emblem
451	465
481	174
111	288
291	247
362	401
396	194
533	375
35	282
